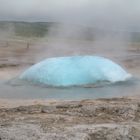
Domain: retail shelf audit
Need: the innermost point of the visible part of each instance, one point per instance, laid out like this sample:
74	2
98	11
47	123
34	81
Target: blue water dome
75	71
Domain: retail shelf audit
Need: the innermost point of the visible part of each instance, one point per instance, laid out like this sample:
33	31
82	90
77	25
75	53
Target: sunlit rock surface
75	70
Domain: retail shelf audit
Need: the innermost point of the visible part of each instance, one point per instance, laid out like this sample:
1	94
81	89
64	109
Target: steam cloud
120	14
116	18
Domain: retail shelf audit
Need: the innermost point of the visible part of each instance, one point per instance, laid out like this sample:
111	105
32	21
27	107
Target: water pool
25	90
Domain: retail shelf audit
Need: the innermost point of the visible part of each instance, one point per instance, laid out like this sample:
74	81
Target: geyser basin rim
74	71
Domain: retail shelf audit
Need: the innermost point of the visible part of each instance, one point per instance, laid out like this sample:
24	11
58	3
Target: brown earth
102	119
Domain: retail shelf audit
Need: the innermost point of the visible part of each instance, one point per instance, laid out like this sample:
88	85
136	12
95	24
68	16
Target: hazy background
32	30
108	14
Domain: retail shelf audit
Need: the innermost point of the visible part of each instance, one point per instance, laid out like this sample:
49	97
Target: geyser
75	71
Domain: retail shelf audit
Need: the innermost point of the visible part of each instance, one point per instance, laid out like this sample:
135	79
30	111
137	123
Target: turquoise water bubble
75	71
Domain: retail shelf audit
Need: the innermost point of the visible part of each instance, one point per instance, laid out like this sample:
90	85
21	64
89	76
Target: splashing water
74	71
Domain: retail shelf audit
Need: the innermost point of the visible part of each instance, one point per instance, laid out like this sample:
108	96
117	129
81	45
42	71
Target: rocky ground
102	119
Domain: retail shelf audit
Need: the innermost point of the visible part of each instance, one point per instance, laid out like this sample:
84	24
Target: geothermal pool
130	60
26	90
